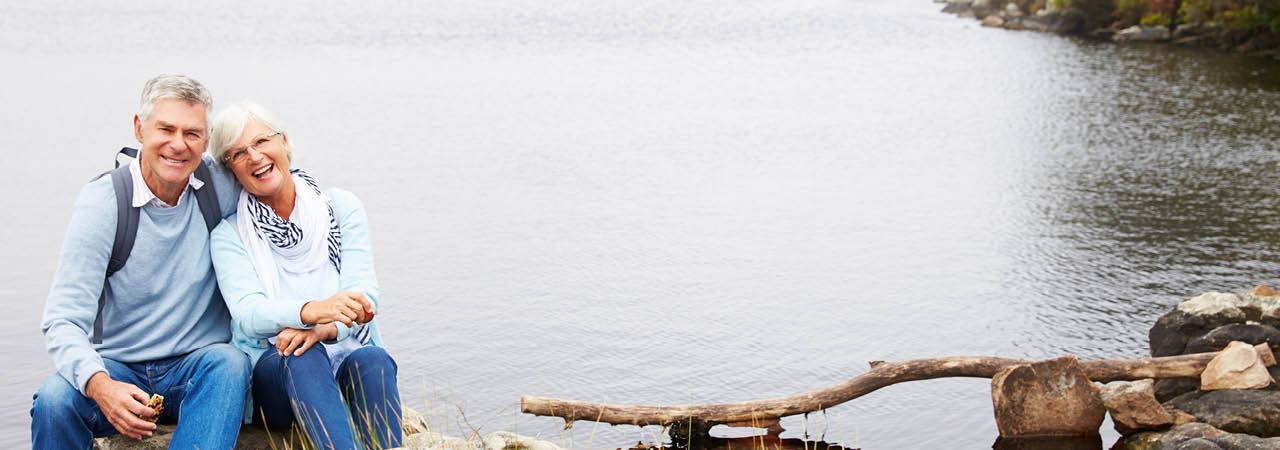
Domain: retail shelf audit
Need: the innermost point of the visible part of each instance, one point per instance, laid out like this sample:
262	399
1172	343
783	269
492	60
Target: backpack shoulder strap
207	198
126	151
126	219
126	233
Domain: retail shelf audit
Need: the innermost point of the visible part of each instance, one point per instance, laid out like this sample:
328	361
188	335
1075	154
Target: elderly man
155	325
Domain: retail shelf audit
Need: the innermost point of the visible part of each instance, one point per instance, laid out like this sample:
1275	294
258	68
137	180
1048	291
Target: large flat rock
1046	399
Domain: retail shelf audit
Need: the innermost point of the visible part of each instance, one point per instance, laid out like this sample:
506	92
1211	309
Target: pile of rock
417	436
1233	405
1099	19
1014	16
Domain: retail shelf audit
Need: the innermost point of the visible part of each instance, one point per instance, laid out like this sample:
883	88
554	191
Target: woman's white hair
232	121
179	87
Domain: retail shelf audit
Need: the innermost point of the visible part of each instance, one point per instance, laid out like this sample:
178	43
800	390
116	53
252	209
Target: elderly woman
295	267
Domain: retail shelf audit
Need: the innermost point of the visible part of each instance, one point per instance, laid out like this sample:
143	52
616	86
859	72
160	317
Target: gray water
646	202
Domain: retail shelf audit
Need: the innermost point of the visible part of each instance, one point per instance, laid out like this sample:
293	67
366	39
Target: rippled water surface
698	201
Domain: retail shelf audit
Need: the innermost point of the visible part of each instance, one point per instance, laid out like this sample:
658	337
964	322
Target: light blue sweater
161	304
254	317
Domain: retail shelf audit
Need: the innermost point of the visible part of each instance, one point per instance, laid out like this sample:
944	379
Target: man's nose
179	144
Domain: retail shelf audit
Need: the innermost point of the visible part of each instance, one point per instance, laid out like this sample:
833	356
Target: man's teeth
263	170
171	160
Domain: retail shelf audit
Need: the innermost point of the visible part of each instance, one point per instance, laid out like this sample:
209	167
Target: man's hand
292	341
123	404
347	307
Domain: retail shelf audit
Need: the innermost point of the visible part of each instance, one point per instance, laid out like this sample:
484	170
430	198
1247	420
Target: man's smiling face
173	138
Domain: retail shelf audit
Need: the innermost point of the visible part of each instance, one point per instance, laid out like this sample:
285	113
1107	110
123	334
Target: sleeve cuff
86	371
286	313
343	332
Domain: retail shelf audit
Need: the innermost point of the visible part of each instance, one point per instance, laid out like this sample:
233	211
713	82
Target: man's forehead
186	126
179	113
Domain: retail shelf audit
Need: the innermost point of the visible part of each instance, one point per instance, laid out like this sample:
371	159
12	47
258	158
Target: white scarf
312	214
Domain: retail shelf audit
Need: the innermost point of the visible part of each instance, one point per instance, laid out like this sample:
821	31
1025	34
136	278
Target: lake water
645	202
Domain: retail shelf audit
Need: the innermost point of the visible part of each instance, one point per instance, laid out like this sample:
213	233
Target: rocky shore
1234	405
417	436
1210	385
1251	26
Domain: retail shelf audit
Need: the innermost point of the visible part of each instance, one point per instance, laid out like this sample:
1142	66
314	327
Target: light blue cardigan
254	317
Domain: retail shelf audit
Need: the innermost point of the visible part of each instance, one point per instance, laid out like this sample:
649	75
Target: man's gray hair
232	121
180	87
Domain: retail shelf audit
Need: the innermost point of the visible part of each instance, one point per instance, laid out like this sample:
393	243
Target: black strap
126	233
207	198
130	152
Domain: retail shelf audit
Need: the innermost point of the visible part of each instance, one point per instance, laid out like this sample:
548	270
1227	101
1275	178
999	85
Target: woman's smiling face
260	160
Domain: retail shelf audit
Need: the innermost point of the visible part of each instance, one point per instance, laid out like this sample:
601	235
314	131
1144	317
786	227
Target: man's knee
56	400
226	362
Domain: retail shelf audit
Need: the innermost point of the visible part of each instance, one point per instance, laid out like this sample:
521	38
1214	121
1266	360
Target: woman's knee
314	360
373	357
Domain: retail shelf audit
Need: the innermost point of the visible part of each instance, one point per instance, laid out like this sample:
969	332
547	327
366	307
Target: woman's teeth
263	170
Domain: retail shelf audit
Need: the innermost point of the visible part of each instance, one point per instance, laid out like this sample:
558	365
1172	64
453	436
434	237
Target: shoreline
1239	27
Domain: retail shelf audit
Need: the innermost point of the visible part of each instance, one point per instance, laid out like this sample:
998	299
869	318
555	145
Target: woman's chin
254	188
260	187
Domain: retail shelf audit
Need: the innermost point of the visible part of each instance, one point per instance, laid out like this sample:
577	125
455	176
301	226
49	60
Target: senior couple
268	318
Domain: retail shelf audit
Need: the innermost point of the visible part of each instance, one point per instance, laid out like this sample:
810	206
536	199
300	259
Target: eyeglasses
238	155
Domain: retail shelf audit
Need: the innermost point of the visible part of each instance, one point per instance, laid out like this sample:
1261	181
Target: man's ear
137	128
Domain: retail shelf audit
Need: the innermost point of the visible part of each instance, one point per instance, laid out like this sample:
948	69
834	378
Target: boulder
1169	388
1251	333
993	21
1170	440
1138	33
982	8
502	440
1261	290
1068	23
1195	436
1011	10
1206	322
1046	398
957	6
1237	411
1200	315
1133	406
1243	441
1236	367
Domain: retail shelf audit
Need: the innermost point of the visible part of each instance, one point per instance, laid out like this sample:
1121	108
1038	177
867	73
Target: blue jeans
362	402
203	391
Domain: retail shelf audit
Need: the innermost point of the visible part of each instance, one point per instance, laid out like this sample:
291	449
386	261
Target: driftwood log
759	412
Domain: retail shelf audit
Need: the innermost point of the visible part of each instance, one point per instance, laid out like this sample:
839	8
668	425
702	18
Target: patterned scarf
286	235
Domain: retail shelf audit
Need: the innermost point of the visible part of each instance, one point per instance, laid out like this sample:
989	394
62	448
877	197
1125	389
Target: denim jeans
203	391
360	408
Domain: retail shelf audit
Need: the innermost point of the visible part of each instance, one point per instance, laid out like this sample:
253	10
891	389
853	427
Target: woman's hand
292	341
346	306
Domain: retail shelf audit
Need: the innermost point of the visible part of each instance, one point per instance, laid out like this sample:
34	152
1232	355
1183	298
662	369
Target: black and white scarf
285	235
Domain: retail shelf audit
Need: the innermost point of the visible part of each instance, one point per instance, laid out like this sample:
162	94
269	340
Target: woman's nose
253	154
